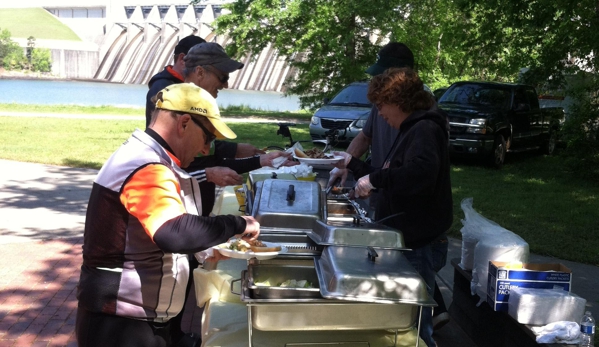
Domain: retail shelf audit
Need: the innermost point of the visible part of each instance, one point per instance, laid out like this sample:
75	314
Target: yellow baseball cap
189	98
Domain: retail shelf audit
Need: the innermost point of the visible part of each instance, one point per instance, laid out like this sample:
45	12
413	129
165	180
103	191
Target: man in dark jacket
171	74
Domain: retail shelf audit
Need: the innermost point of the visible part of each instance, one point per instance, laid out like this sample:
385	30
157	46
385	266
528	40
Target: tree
557	40
11	55
329	43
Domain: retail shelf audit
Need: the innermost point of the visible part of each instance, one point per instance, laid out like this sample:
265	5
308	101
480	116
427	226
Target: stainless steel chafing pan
369	275
288	204
321	314
357	235
276	274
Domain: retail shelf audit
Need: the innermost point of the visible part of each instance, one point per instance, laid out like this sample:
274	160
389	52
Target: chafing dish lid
287	196
261	175
356	235
348	273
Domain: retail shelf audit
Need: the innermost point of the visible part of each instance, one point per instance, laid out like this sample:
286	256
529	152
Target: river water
56	92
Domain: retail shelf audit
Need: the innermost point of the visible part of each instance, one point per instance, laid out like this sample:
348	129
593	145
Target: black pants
101	330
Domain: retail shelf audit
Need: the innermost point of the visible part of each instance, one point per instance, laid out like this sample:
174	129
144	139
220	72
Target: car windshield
352	95
477	94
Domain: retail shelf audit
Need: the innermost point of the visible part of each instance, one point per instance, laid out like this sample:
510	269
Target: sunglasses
219	75
208	136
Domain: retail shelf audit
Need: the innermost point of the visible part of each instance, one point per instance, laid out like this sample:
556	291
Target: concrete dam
138	41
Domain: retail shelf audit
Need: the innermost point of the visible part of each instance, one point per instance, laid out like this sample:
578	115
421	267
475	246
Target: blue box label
502	290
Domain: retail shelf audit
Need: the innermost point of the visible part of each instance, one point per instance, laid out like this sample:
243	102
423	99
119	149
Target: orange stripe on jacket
152	196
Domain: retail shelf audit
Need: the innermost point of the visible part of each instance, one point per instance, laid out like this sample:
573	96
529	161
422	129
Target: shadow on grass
82	164
536	197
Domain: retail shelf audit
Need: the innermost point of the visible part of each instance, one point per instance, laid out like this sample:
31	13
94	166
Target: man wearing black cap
171	74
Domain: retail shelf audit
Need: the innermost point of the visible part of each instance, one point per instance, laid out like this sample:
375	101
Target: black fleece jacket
416	182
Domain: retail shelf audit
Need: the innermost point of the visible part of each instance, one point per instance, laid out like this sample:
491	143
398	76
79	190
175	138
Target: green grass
73	109
89	142
36	22
537	198
533	195
242	111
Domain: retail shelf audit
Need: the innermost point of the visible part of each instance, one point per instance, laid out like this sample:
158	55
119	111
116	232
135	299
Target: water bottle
587	329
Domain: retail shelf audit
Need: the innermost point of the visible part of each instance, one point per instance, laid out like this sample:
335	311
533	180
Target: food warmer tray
315	314
297	242
369	275
288	204
356	235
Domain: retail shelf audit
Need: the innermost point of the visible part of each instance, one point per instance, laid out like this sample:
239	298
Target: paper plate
328	162
223	248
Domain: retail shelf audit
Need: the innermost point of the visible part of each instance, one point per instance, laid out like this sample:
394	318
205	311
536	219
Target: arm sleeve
359	168
367	129
418	173
224	150
152	196
242	165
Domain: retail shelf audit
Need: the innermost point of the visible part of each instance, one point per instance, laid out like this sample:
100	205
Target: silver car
346	114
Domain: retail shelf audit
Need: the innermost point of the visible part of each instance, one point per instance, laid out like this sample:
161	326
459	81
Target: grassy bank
533	195
36	22
229	111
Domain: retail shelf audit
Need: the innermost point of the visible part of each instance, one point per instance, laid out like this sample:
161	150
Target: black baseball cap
211	53
186	43
393	54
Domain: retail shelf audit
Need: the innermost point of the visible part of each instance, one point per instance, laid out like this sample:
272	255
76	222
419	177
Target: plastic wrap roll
503	246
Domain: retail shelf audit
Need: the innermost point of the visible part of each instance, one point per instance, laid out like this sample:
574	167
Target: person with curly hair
414	181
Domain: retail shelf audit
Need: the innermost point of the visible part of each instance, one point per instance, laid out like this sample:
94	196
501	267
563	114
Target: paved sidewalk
42	213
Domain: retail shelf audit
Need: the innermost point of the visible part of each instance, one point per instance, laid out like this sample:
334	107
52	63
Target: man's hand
223	176
245	150
337	173
276	159
252	229
214	258
363	187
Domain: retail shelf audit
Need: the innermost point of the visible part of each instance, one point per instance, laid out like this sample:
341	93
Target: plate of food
316	157
242	249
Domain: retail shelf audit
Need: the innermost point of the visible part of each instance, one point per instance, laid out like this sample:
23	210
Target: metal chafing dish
288	204
356	235
382	292
363	281
295	310
369	275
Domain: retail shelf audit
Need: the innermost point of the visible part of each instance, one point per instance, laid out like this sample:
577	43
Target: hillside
36	22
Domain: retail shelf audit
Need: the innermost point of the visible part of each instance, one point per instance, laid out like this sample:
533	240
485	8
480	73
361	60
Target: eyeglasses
208	136
219	75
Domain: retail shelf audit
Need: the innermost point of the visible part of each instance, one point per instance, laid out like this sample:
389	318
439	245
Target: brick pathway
38	286
38	294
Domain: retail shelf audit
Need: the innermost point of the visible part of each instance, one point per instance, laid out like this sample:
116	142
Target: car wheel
499	150
549	146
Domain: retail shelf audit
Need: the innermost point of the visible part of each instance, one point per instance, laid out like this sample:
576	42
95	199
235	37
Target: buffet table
485	326
225	317
225	321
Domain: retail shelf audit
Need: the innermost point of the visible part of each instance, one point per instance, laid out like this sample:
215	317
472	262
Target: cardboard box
504	276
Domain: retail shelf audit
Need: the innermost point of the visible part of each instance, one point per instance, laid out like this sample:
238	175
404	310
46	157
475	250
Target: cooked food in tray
314	153
285	284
